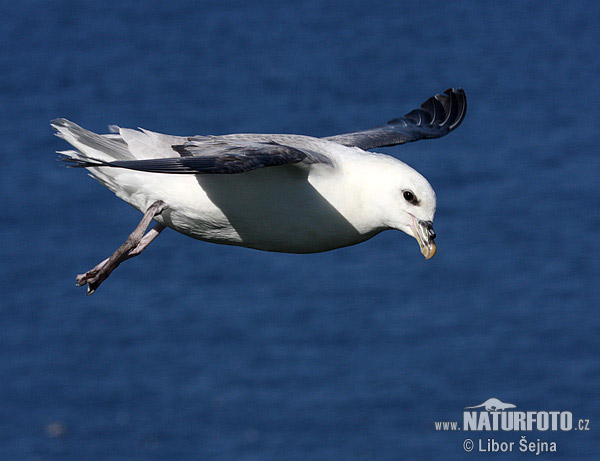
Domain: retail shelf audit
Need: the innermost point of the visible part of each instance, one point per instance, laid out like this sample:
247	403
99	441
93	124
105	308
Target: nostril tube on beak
430	231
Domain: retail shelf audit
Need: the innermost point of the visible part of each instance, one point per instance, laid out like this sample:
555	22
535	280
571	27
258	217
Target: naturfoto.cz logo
495	415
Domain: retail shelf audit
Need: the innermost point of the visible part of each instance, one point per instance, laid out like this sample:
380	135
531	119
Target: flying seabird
273	192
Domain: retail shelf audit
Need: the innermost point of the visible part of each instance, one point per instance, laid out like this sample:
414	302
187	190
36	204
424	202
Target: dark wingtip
436	117
458	109
82	162
445	110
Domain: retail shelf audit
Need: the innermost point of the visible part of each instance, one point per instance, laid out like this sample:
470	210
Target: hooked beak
425	235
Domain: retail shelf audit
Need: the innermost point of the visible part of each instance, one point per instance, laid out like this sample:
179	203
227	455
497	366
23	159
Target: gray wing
214	157
438	116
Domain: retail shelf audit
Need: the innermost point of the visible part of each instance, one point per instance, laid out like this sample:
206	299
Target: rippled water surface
200	351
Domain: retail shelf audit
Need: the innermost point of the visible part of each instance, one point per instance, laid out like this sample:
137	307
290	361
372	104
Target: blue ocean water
200	351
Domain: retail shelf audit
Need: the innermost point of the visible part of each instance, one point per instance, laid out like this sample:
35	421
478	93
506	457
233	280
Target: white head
407	202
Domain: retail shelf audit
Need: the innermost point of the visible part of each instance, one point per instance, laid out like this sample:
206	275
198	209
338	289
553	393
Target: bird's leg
133	246
144	242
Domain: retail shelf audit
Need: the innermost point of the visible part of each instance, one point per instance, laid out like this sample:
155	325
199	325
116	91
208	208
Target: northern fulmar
273	192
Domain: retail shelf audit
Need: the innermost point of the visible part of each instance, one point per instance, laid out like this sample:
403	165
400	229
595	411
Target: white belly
285	211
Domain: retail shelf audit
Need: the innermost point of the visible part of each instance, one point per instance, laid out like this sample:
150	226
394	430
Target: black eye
408	196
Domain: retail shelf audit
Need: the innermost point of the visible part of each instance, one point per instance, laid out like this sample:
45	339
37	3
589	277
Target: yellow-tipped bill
425	235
